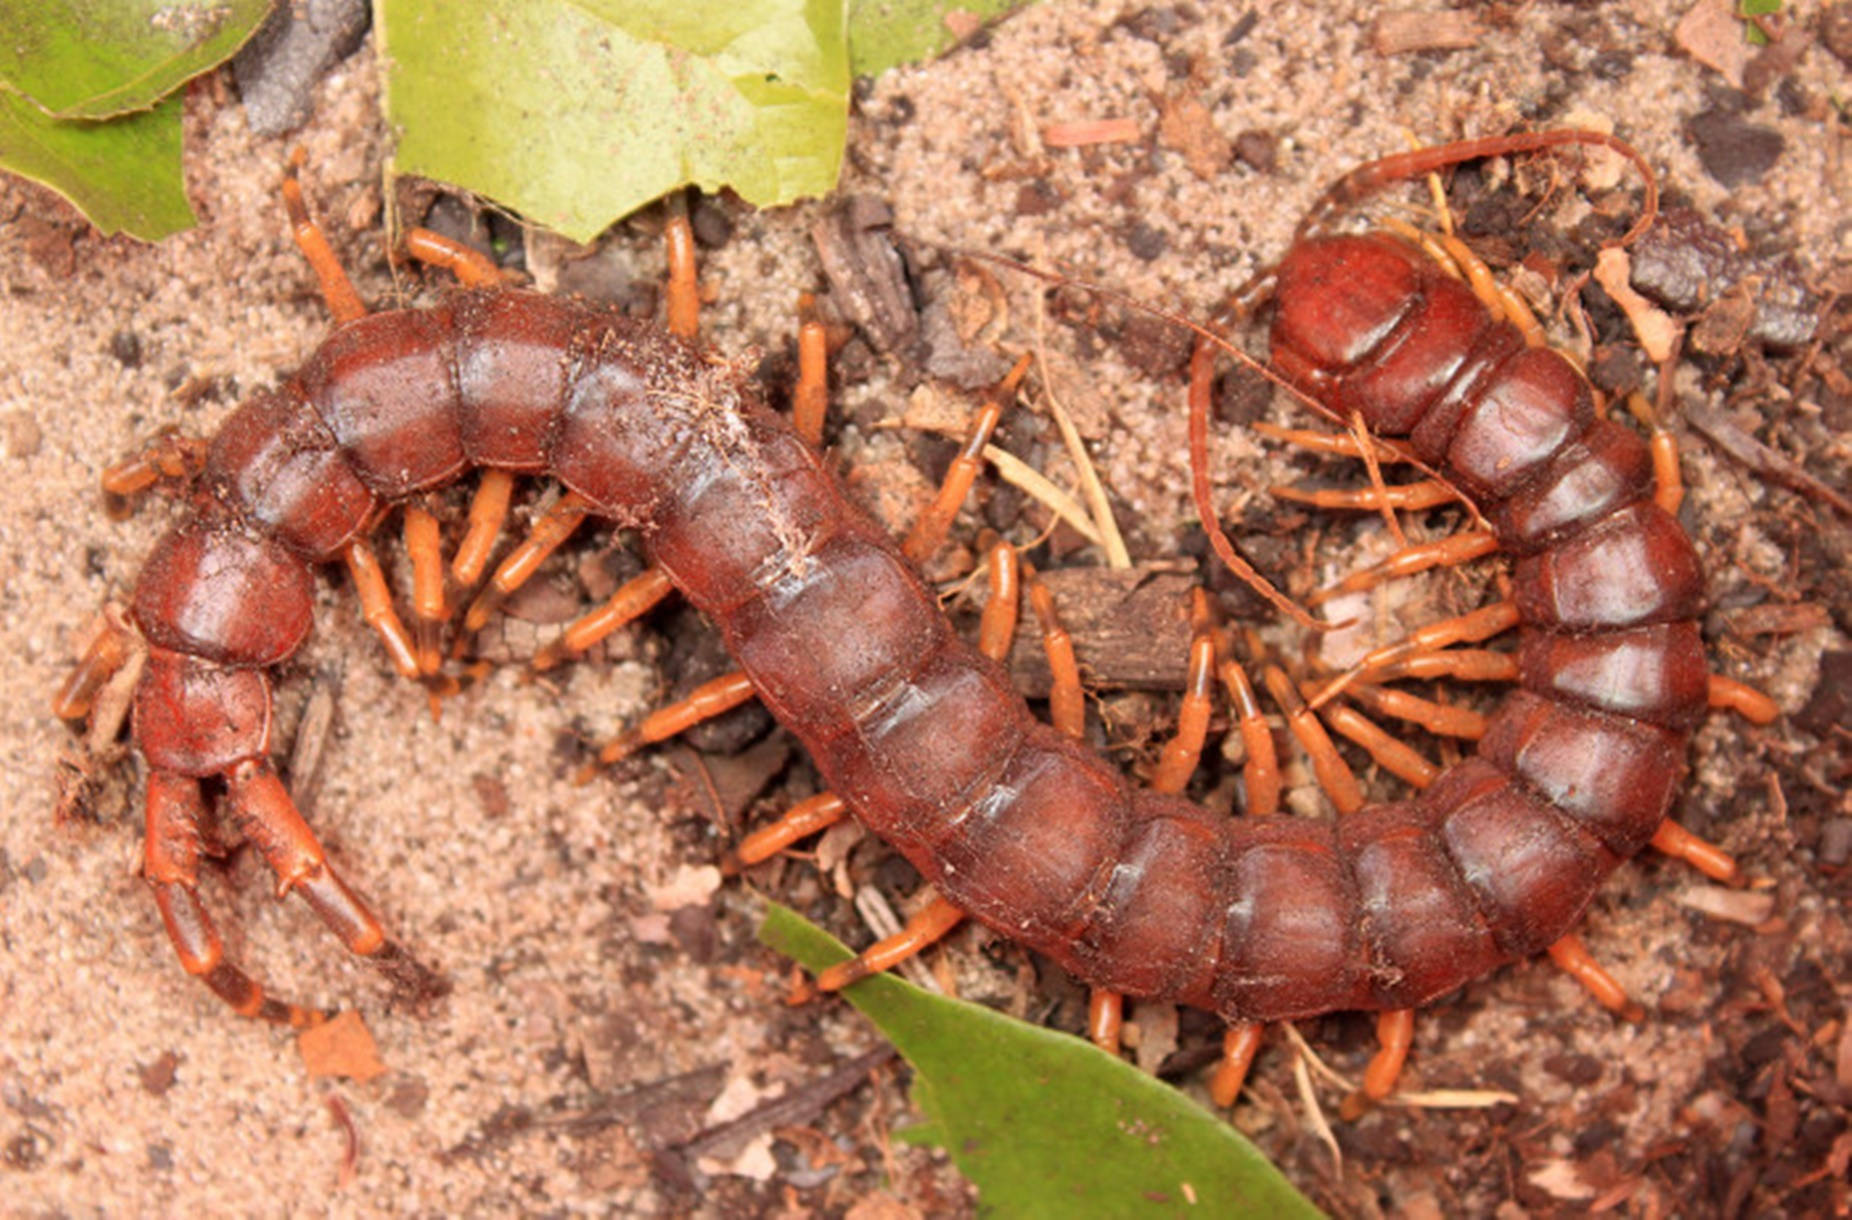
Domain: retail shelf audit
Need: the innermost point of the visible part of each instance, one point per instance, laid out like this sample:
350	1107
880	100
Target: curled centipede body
1014	823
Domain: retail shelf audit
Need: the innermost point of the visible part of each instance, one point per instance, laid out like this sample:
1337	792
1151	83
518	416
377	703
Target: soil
609	1003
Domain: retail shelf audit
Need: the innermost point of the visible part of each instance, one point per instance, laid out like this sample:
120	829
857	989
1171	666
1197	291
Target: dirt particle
160	1156
408	1097
1152	24
1829	706
1617	371
1732	150
713	227
22	433
493	794
1259	150
26	1151
1574	1069
157	1075
125	346
1037	199
1836	842
1612	65
1145	242
1154	346
50	244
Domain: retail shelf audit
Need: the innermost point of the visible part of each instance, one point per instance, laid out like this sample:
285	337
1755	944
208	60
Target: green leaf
92	59
1752	33
1047	1124
123	175
887	33
575	114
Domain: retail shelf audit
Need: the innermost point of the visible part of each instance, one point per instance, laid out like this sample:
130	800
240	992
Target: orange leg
1183	751
811	396
424	543
1668	480
167	458
170	862
1239	1046
1067	706
1105	1019
1394	755
1472	628
472	268
1746	701
1260	778
1446	552
800	821
553	528
1334	774
1439	718
488	511
996	628
635	599
923	930
1674	840
1429	493
705	702
1573	958
107	654
1335	444
928	532
1464	664
262	808
1395	1034
376	607
684	289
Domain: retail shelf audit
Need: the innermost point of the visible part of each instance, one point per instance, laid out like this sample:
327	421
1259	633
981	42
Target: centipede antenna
1367	179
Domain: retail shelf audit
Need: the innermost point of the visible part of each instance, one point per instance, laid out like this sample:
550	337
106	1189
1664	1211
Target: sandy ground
582	976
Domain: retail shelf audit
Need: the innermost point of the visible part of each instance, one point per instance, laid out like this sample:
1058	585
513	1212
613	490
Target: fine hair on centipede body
1138	893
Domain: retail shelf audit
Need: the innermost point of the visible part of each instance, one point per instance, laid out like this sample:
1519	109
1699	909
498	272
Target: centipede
1015	823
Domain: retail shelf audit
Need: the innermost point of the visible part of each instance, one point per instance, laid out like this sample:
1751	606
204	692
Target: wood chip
1090	131
1717	424
1747	907
342	1046
1842	1056
1130	627
1655	328
1711	34
1779	618
1406	31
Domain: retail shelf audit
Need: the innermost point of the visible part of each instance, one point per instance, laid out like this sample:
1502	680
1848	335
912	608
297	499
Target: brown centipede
1137	893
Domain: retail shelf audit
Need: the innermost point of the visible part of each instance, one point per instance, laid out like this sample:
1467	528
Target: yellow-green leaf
575	114
92	59
124	174
1046	1124
886	33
